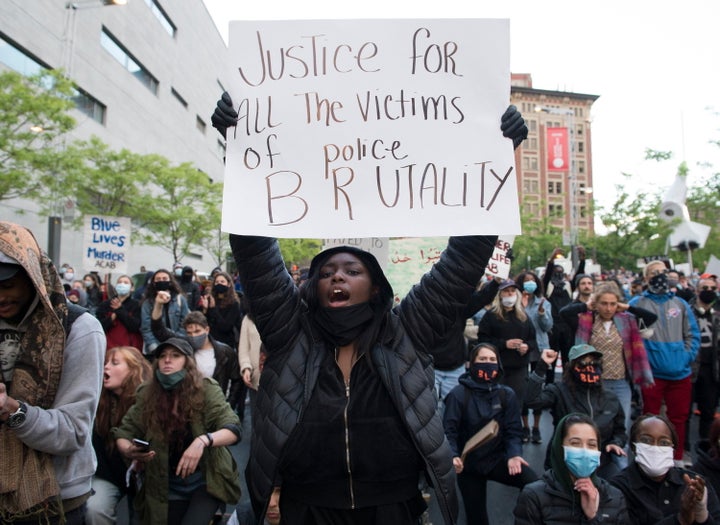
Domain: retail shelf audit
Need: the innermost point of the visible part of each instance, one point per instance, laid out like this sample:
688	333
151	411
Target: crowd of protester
634	344
349	421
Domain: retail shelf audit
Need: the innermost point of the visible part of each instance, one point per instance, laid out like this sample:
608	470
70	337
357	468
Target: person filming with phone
187	424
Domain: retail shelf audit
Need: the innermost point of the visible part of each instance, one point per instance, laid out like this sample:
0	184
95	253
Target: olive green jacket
219	469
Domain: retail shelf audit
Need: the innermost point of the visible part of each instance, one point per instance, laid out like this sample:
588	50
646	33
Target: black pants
473	487
199	509
705	395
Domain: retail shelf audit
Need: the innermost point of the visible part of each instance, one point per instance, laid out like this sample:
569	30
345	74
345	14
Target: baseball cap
181	344
581	350
507	283
708	276
8	267
8	270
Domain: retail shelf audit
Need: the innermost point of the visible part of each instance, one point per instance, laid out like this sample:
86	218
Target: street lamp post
55	220
572	179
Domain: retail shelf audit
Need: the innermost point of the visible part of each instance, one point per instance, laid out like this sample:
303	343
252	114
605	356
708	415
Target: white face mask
509	302
652	460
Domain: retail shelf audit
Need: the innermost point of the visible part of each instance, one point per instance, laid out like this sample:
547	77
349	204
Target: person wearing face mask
571	491
190	287
678	284
559	293
581	390
188	470
92	289
611	326
706	384
477	400
539	311
507	326
658	492
214	358
163	299
120	316
222	309
671	348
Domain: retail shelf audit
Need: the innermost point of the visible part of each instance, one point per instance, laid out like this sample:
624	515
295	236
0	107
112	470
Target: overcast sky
654	64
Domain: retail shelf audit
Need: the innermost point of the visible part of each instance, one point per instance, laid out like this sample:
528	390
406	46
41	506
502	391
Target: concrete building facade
149	74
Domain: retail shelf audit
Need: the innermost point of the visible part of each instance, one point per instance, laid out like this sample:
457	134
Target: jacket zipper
351	488
347	445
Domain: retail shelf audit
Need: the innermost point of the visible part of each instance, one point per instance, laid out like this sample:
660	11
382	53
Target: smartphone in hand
141	444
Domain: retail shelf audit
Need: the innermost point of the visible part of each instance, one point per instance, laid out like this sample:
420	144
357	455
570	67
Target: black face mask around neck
341	326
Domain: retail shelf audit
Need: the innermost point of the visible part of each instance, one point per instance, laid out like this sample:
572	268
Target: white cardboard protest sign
499	263
370	128
106	243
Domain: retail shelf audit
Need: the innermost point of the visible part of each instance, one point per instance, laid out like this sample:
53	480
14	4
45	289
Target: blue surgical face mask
530	286
581	462
122	289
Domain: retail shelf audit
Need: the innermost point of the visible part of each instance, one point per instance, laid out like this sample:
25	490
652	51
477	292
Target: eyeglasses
661	442
711	288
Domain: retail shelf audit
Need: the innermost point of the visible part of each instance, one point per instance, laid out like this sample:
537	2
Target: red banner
558	157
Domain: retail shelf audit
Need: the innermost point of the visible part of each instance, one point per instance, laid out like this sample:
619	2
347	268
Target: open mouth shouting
338	297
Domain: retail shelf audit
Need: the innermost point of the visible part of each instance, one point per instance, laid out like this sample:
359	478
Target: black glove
224	115
513	126
510	255
485	295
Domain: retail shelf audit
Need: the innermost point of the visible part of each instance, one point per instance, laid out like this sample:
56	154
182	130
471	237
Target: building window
90	106
18	60
162	17
200	124
532	125
531	143
581	146
583	212
21	62
581	166
179	97
530	186
555	187
555	210
530	163
112	46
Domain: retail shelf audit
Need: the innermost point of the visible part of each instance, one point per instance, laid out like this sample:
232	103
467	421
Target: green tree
539	238
634	229
33	118
104	181
181	208
299	251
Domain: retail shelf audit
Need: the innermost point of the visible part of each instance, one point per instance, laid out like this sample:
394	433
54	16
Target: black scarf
341	326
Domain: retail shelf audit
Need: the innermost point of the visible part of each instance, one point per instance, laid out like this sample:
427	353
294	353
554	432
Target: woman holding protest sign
346	374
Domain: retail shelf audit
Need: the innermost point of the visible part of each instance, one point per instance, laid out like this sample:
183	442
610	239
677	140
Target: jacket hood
557	460
367	258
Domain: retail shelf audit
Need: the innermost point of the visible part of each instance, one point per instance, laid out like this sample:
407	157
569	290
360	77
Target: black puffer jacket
401	357
545	502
